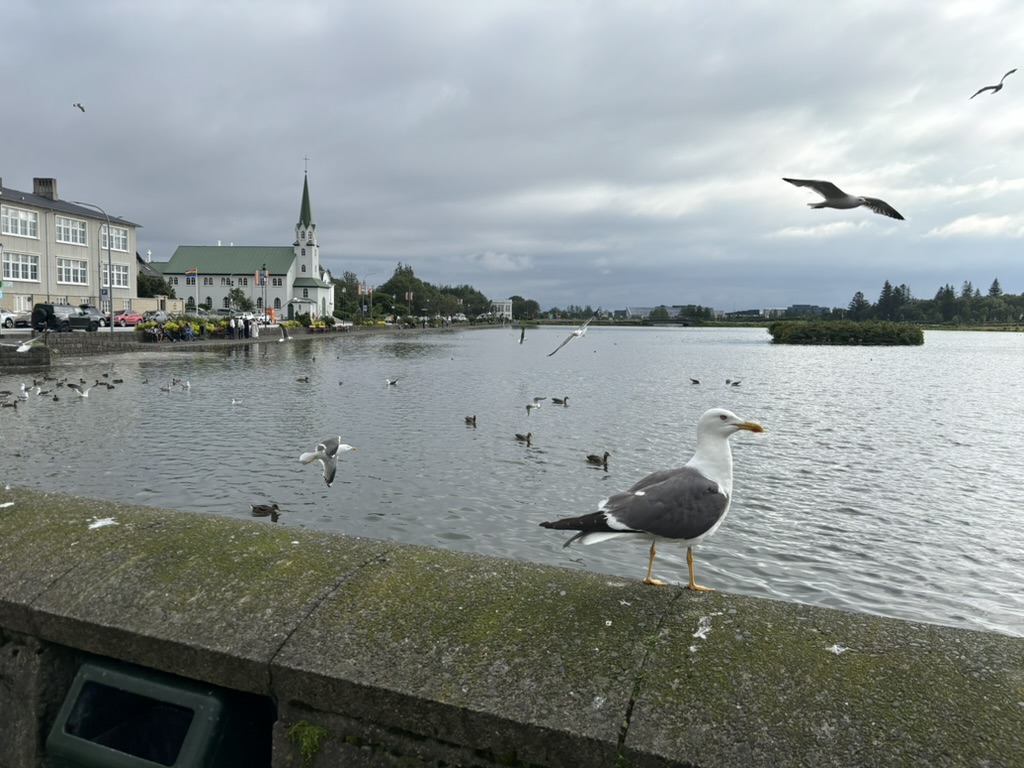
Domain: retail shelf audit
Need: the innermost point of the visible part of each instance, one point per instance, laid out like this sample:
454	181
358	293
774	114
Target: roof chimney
45	188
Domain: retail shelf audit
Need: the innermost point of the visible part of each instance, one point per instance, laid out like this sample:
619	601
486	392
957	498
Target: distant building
502	309
806	309
287	279
55	250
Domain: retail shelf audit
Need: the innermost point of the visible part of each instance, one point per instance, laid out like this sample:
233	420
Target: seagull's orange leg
650	566
693	584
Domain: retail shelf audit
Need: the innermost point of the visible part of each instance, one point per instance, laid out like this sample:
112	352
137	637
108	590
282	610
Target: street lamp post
263	280
110	259
371	294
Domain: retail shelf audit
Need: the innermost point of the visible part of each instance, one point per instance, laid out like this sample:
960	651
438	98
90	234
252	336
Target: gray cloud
575	153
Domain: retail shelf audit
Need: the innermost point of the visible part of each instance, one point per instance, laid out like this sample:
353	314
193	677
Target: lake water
888	480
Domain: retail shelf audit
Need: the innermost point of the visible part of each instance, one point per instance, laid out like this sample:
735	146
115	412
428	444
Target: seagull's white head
723	423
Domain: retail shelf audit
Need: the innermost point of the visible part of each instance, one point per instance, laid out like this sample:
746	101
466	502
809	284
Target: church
284	281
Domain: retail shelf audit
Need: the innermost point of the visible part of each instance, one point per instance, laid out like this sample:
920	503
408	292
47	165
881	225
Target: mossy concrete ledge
380	654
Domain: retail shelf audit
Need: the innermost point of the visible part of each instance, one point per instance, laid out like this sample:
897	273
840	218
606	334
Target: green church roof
228	260
305	215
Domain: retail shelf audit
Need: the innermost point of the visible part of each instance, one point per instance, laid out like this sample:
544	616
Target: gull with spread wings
836	198
581	331
995	88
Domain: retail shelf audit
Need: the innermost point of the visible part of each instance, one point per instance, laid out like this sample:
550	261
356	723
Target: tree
995	290
154	285
859	307
886	306
967	290
238	300
660	313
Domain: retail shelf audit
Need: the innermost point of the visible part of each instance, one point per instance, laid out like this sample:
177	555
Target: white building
286	279
59	251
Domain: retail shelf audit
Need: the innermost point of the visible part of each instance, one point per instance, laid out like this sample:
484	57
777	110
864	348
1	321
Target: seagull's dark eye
722	416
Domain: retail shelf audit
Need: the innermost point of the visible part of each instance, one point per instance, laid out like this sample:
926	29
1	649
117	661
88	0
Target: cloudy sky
573	152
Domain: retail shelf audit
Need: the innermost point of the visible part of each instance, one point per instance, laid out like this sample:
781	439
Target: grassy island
846	333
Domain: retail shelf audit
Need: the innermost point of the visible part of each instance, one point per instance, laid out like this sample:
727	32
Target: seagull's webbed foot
693	584
649	579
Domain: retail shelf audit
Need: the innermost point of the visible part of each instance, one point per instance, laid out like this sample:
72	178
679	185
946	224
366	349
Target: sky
604	153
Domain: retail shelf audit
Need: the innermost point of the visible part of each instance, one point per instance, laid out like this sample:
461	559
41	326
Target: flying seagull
684	505
581	331
836	198
77	104
995	88
327	454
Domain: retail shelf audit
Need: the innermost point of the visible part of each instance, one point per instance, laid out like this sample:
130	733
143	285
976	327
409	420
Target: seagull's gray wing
986	88
329	447
567	340
677	504
882	207
330	465
1007	75
826	189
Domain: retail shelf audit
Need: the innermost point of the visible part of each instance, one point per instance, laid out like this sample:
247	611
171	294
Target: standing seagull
327	454
77	104
995	88
836	198
684	505
581	331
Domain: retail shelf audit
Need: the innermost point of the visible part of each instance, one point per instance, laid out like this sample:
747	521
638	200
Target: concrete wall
380	654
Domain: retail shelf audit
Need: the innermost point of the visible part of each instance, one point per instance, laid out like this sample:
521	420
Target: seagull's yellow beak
750	426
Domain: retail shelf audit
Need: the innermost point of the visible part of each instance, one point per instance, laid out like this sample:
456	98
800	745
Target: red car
125	317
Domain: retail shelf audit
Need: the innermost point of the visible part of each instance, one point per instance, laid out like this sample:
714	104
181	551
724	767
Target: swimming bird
524	438
304	379
834	197
82	392
695	381
995	88
391	382
581	331
471	421
235	401
684	505
265	510
327	454
78	104
601	461
560	400
734	384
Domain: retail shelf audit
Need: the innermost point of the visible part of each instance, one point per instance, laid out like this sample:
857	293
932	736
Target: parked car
125	317
23	320
95	314
7	318
156	316
62	317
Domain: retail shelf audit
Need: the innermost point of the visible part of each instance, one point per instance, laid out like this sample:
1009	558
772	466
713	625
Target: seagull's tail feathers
310	457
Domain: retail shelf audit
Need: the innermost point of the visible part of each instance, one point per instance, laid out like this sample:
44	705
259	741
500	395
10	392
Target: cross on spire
305	161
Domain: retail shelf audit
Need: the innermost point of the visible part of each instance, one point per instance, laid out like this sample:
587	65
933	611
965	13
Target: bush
845	333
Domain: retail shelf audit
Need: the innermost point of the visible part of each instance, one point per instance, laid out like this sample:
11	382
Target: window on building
277	303
189	280
190	304
303	267
119	241
207	281
71	231
73	271
227	303
172	280
303	252
278	282
209	301
121	276
21	266
259	302
305	293
243	281
17	221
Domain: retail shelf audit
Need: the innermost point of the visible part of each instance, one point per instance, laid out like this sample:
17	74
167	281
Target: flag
191	272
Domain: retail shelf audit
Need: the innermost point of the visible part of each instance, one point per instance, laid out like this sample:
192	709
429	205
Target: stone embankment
374	653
